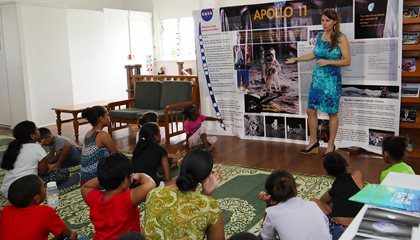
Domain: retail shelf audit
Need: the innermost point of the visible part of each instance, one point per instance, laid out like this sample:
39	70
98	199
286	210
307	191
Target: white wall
6	115
117	42
134	5
12	47
138	5
99	48
47	62
81	4
56	57
87	49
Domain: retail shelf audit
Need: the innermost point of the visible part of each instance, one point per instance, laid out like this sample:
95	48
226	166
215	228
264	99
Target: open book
389	197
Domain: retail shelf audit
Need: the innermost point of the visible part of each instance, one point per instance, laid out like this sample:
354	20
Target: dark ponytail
22	134
92	114
146	136
196	166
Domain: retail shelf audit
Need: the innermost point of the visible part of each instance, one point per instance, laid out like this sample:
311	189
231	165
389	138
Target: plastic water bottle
52	194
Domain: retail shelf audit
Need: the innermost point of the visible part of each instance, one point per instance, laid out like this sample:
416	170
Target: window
177	39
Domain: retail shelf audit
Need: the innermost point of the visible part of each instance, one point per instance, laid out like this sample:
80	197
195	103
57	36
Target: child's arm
166	169
60	156
139	193
324	203
43	166
358	178
217	230
89	186
50	156
213	119
104	140
326	198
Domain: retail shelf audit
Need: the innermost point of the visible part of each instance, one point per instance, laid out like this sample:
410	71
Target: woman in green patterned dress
331	52
178	211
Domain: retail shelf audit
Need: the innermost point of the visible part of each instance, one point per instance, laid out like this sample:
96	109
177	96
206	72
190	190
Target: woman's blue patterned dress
325	91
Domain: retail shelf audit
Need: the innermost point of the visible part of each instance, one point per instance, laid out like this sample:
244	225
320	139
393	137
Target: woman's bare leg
313	125
333	132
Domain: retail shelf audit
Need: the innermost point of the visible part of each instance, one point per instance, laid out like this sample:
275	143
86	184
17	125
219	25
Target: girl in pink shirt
195	130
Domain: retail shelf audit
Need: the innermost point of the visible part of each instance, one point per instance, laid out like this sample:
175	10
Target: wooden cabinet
409	129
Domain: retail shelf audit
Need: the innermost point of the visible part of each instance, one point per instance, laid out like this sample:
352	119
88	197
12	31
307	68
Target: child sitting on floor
24	156
63	151
25	218
152	117
149	155
195	130
393	152
146	118
289	216
115	210
97	144
335	203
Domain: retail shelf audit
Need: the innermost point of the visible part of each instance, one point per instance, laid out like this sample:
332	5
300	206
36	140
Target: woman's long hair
196	166
333	15
146	136
22	134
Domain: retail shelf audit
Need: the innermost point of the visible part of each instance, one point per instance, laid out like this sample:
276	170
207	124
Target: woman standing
331	52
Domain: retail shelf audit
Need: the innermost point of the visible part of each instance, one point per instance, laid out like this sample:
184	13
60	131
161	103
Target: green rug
237	197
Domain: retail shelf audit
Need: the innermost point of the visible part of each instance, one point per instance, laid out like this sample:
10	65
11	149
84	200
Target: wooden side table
77	120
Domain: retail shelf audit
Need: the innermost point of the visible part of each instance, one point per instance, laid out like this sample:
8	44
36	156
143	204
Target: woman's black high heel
330	152
313	149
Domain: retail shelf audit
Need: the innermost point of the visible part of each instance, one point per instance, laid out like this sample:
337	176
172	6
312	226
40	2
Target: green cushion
175	92
129	113
147	94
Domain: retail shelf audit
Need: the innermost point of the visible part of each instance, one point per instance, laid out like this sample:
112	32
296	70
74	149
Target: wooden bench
167	95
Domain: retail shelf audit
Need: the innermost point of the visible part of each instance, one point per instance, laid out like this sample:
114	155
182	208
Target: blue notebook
389	197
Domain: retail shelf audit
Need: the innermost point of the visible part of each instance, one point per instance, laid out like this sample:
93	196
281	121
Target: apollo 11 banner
241	54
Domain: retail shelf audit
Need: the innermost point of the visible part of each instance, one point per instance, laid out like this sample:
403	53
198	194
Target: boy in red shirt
115	210
26	218
196	132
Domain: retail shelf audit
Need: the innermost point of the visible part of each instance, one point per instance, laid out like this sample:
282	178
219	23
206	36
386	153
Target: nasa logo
206	14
